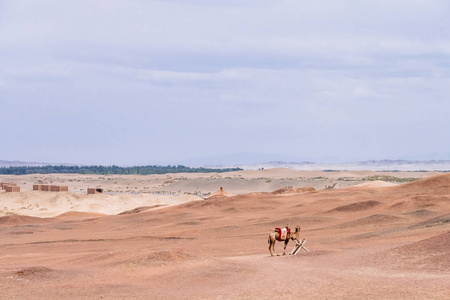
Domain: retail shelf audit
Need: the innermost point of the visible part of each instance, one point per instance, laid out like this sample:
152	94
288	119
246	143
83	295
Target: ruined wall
5	184
94	191
50	188
11	188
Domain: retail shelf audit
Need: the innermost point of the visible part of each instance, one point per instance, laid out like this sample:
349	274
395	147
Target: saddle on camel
282	235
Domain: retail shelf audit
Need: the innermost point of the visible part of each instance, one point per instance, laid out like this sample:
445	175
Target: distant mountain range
15	163
372	165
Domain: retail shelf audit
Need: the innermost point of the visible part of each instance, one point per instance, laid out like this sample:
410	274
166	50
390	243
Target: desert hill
438	185
387	242
49	204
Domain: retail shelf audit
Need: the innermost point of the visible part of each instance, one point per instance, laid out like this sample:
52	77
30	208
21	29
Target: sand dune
389	242
358	206
431	254
373	220
78	215
374	184
437	185
21	220
47	204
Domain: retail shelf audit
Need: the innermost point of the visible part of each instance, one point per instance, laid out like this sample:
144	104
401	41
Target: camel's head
295	234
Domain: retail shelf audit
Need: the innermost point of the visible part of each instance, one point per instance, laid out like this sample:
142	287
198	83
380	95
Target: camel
275	236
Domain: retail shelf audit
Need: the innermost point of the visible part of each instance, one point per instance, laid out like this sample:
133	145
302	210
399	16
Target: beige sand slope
50	204
375	184
365	243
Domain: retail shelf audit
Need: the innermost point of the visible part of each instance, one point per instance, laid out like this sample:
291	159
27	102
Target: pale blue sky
166	82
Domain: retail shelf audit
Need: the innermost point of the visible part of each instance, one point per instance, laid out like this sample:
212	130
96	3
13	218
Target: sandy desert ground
159	237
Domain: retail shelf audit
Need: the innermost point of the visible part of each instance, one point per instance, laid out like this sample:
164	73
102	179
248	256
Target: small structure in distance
50	188
5	184
218	194
10	187
94	191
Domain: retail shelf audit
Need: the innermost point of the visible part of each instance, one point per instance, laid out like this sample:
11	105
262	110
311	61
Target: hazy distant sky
164	82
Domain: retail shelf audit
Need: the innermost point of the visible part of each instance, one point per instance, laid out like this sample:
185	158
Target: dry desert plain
170	237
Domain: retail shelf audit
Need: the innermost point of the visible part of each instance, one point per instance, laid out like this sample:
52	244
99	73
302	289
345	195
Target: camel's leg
273	248
274	240
271	245
285	244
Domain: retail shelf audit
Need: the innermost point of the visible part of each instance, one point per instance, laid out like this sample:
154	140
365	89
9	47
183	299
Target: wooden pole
299	245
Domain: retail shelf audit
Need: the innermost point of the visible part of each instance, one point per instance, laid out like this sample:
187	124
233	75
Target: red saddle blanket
283	233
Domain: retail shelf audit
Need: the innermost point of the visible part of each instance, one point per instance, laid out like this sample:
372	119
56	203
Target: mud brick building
5	184
50	188
94	191
12	188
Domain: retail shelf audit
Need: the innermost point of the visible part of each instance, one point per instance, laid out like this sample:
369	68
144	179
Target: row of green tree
138	170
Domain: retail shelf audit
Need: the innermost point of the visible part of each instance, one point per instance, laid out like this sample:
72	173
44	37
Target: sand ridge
49	204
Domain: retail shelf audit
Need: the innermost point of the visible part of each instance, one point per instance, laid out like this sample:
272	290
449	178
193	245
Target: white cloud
37	72
298	72
190	77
